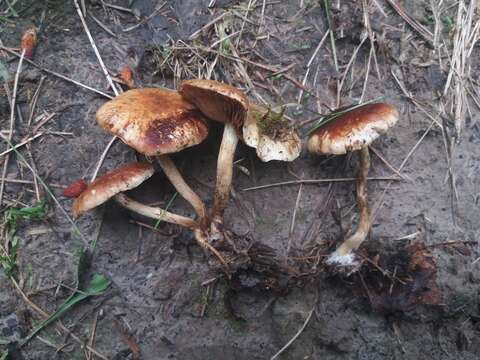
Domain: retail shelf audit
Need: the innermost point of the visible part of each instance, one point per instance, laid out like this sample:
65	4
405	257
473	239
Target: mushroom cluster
158	122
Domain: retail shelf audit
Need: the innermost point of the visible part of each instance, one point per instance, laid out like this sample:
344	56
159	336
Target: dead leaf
407	280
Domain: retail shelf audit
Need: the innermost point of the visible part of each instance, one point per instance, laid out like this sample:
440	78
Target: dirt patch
162	292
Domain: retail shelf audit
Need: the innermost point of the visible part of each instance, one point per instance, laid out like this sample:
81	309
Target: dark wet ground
157	292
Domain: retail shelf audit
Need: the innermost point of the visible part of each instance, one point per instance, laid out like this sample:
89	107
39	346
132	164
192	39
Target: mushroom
270	133
157	122
114	183
228	105
351	131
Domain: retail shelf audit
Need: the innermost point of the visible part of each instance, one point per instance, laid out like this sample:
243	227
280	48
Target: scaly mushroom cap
353	130
153	121
105	187
216	100
271	135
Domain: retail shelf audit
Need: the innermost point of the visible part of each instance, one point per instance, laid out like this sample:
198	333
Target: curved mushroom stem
171	171
224	172
344	254
164	215
202	239
155	212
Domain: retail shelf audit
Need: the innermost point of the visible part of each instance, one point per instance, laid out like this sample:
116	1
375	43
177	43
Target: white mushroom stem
344	254
171	171
224	171
155	212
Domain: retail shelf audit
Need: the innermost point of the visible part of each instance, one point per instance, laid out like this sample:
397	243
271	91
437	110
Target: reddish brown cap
218	101
153	121
105	187
353	130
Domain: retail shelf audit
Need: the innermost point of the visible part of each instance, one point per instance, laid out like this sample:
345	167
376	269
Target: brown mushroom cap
153	121
218	101
353	130
105	187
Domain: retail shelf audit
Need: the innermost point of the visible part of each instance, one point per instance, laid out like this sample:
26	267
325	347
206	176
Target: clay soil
166	300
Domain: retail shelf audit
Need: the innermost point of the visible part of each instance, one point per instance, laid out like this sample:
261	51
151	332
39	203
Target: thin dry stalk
102	158
147	19
309	64
33	103
54	73
12	122
299	332
95	49
422	30
22	143
347	69
318	181
294	216
465	38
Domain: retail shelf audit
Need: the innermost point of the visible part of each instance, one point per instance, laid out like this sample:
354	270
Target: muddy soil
157	293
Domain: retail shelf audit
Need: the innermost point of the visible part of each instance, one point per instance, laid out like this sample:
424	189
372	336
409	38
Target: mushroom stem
224	171
155	212
355	240
171	171
202	239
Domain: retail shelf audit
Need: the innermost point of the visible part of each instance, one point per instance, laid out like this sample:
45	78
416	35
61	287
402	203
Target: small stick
29	182
24	142
314	55
294	216
299	332
109	79
147	19
34	167
422	30
12	121
317	181
92	42
102	25
102	158
377	153
63	77
33	104
117	7
89	354
207	25
41	122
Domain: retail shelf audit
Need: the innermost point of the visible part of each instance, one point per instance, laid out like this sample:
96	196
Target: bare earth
157	296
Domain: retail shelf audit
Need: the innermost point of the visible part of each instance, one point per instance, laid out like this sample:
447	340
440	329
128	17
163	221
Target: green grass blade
97	286
48	191
339	112
166	209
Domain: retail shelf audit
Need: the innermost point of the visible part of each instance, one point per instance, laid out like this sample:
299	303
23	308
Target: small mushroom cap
105	187
353	130
153	121
282	143
218	101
